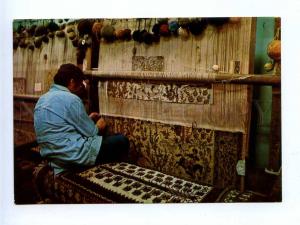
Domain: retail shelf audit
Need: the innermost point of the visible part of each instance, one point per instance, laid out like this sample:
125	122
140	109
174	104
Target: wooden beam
33	98
188	77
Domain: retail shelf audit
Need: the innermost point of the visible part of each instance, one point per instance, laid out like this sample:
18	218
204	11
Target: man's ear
71	84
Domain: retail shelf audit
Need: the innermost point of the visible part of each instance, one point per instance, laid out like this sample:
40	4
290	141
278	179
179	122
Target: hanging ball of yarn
183	33
52	26
62	26
142	35
108	33
268	66
23	43
71	35
173	27
164	30
70	29
31	30
183	22
31	46
147	38
84	27
21	35
40	31
38	42
197	25
45	39
96	29
215	68
60	33
120	34
127	34
51	34
136	35
156	28
218	21
274	50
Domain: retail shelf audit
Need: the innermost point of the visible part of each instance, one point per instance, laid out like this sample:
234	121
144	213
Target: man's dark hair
66	72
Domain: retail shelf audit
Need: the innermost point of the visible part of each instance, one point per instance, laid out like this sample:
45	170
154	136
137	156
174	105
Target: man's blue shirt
65	133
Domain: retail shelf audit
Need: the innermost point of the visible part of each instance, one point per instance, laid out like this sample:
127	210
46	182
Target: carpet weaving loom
188	128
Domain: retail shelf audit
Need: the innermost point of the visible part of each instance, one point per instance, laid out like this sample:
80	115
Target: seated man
67	136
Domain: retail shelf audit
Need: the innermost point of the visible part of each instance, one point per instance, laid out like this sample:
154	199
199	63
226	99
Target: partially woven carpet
127	183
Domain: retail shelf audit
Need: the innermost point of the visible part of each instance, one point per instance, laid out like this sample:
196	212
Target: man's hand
94	116
101	124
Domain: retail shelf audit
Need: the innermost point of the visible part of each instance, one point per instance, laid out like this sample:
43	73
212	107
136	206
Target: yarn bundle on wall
80	32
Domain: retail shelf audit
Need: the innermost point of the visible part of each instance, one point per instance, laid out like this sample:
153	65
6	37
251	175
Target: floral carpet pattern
202	155
173	93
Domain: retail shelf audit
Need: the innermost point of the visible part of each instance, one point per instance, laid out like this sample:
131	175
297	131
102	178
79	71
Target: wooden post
275	135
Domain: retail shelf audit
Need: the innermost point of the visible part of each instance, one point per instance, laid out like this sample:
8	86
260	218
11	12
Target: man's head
71	76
